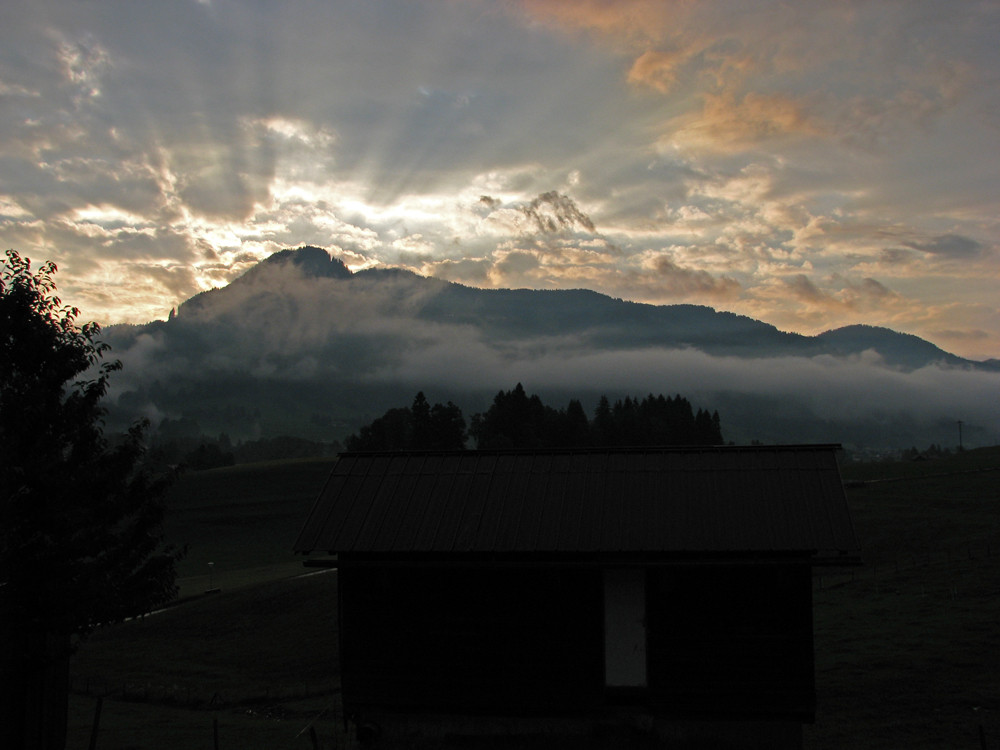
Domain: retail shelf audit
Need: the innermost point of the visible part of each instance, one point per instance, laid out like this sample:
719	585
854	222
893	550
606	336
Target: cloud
371	330
868	293
546	143
657	69
949	246
470	271
975	335
547	214
830	390
179	280
83	62
685	282
552	212
642	20
805	290
894	256
727	123
839	295
517	265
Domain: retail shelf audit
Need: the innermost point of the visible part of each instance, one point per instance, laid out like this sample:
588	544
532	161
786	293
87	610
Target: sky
810	164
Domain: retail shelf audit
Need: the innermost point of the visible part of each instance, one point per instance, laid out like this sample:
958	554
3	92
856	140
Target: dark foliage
181	443
517	420
80	538
418	427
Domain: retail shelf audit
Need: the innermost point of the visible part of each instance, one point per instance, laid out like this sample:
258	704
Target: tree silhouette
80	539
419	427
516	420
447	427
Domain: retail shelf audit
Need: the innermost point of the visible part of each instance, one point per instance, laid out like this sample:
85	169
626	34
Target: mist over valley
301	346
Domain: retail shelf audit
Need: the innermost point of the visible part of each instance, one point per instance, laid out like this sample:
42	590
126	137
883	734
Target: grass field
261	660
907	647
243	519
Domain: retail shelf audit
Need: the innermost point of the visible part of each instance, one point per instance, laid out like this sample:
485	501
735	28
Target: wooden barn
658	593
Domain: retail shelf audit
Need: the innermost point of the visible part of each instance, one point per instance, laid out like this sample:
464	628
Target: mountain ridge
509	311
300	345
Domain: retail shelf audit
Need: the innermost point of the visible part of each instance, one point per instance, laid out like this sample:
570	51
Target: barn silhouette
588	593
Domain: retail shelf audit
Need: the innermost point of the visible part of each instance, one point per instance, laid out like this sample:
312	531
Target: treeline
180	443
933	451
517	420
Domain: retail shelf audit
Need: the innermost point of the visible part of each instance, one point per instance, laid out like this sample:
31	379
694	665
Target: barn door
625	627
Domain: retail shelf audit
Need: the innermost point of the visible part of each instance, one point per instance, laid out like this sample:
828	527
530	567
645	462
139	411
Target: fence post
97	723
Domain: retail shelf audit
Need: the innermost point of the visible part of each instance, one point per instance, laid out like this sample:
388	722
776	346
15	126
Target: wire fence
878	569
267	698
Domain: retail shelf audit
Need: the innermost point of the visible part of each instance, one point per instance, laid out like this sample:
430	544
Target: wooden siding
732	640
722	641
470	640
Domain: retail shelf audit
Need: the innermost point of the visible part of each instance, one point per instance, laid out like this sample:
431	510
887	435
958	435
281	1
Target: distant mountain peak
299	345
314	262
897	348
502	316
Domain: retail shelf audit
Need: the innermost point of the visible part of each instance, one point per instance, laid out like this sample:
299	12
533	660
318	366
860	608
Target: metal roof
757	499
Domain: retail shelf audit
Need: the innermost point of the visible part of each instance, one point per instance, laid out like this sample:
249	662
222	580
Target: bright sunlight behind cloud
810	165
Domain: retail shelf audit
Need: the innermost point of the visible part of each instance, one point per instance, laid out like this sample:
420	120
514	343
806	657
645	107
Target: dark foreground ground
907	647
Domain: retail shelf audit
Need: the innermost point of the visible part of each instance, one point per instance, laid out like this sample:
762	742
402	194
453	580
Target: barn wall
721	640
472	639
731	640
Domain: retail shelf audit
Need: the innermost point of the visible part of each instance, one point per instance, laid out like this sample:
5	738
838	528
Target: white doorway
625	627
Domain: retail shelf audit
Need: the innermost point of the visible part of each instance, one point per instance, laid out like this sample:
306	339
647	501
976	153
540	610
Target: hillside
299	345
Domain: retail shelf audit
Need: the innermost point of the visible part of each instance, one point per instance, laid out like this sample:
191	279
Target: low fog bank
854	400
858	401
281	352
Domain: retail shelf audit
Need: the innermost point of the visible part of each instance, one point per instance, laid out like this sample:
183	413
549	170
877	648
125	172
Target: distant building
654	595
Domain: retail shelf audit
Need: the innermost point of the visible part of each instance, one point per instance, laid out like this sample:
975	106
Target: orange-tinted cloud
657	69
625	19
678	281
729	123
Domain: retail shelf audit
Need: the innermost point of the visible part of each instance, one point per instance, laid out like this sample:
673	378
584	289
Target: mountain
900	349
300	345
